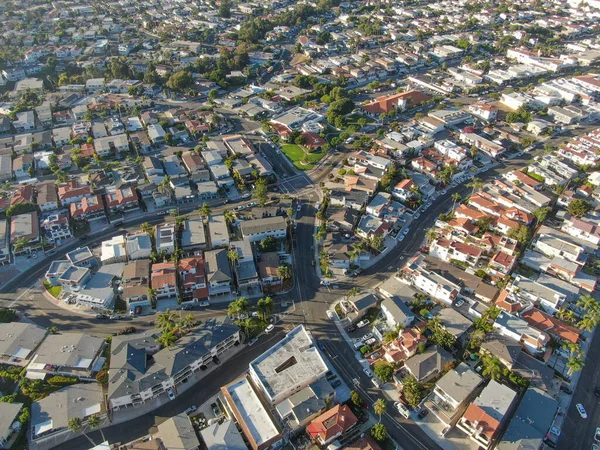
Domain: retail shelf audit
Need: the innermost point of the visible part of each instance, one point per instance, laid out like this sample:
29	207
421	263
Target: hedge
59	380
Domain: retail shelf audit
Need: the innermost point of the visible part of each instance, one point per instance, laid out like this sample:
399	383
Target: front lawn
296	155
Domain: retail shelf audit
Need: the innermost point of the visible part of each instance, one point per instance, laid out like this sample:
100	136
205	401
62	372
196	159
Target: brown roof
385	104
551	325
332	423
136	269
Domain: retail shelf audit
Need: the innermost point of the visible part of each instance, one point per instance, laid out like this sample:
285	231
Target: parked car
367	336
351	328
370	341
171	394
251	342
362	323
597	435
203	304
566	390
191	409
336	383
597	391
101	316
581	410
321	346
269	329
126	330
459	303
402	409
215	409
368	373
423	413
375	382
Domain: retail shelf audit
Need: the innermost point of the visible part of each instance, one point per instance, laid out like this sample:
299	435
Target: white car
299	208
581	410
269	329
444	192
368	373
459	303
401	238
171	394
325	283
203	304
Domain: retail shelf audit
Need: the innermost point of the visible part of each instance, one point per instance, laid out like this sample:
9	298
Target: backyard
296	155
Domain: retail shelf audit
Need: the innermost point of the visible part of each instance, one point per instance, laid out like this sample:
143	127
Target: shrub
59	380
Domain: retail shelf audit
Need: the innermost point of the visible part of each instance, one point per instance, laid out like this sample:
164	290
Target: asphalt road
578	433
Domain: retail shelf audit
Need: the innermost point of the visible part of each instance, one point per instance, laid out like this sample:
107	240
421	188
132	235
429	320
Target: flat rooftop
251	414
289	363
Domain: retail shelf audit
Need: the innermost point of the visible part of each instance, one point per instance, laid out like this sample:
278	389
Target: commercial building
288	367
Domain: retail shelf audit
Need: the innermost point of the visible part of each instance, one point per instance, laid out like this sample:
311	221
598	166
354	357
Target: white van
375	382
402	409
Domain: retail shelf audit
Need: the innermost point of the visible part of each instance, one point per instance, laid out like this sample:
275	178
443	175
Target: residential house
25	227
245	269
76	355
485	417
139	246
72	191
9	422
530	423
218	231
218	272
193	235
267	269
47	198
164	280
88	208
51	415
404	346
165	238
259	229
136	282
429	364
19	342
582	229
397	313
55	228
193	278
124	198
332	424
519	330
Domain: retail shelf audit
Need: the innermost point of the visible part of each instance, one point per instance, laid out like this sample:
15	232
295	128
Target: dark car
423	413
351	328
336	383
597	392
321	346
566	390
549	443
84	237
101	316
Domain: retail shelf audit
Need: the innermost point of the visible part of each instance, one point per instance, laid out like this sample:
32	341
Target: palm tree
588	303
284	271
229	216
75	425
475	184
188	321
325	263
566	314
352	293
238	307
588	322
146	228
456	197
20	242
205	210
573	348
166	321
379	407
265	307
541	214
574	364
167	339
477	337
233	256
431	236
492	367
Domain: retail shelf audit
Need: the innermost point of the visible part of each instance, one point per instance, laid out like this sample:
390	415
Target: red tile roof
489	425
332	423
385	104
545	322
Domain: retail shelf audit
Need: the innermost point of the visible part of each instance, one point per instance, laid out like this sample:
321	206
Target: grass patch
354	118
296	155
54	291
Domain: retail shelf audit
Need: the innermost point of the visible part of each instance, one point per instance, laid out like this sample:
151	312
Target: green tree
213	94
574	364
265	307
260	191
475	184
205	210
384	371
379	407
20	243
379	432
180	81
284	271
356	399
166	321
492	367
579	207
188	321
233	256
167	339
456	197
541	214
520	233
75	425
239	307
268	244
353	292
